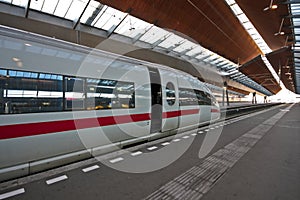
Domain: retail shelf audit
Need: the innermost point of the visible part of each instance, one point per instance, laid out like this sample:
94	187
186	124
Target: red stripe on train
22	130
39	128
180	113
215	110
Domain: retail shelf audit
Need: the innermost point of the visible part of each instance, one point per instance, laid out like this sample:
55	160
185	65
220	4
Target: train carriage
59	98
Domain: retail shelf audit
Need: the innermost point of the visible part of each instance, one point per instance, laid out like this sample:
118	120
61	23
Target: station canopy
237	38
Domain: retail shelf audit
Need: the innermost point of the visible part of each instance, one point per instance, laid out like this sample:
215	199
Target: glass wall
27	92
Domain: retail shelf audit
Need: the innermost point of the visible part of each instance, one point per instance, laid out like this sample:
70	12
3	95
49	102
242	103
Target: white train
58	98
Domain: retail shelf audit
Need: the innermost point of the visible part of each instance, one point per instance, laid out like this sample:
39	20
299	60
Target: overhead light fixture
271	6
280	32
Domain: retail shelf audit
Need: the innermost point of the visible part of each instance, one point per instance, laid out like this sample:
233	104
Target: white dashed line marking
200	132
284	110
57	179
176	140
206	130
12	193
212	128
165	144
152	148
216	126
193	134
136	153
185	137
116	160
88	169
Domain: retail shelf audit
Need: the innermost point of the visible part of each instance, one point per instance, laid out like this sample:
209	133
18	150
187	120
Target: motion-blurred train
62	101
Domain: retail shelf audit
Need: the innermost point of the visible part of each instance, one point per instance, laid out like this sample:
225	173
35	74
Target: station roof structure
255	43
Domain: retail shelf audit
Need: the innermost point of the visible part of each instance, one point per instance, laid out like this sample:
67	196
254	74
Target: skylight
248	26
260	42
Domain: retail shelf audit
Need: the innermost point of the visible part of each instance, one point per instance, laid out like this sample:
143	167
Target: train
63	101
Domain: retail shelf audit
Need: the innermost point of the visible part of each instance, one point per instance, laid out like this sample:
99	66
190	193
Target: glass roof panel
99	15
236	9
211	58
36	5
62	8
6	1
21	3
49	6
171	41
75	9
108	18
248	25
216	61
92	7
186	46
154	34
296	20
222	63
195	51
243	18
203	55
230	2
132	26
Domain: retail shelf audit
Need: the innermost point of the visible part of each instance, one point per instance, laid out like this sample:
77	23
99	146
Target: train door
171	111
156	100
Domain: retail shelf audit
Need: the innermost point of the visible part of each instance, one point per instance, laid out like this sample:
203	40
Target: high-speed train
60	100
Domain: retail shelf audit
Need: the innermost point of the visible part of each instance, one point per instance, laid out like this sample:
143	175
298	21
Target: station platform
255	157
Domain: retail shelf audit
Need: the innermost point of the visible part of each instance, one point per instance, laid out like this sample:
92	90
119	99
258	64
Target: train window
170	94
214	101
187	97
3	72
203	97
25	92
109	94
74	93
208	99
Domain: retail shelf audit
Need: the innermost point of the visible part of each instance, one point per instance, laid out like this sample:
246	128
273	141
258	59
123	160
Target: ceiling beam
27	8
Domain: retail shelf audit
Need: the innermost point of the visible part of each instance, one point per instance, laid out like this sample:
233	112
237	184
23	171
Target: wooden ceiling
262	74
213	25
281	60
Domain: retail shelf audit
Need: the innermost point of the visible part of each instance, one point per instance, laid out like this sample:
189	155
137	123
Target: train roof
33	37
